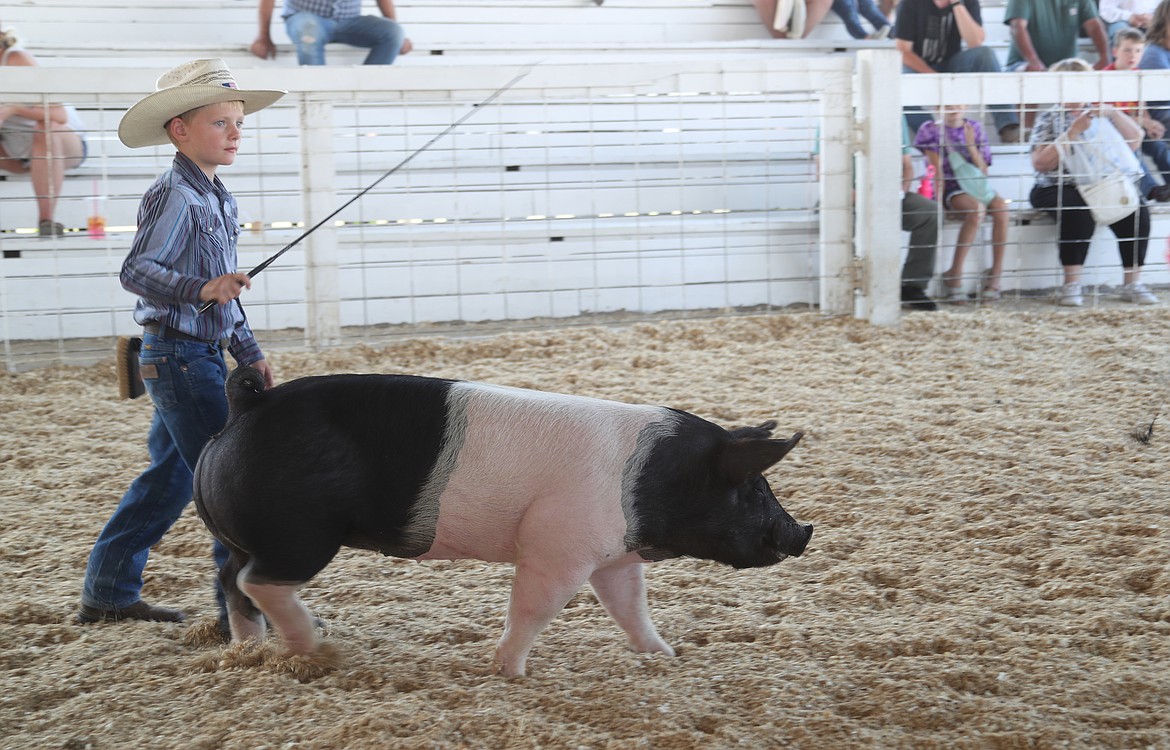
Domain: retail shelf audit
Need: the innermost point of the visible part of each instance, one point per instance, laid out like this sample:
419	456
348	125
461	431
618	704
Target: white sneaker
1139	293
1070	296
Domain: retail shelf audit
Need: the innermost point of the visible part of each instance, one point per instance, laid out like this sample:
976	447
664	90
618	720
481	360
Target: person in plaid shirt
311	24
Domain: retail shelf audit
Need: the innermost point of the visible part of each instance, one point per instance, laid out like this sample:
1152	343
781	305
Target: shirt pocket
210	235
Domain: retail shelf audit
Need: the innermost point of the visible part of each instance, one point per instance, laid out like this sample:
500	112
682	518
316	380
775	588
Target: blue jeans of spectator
848	11
189	407
1160	152
977	60
310	33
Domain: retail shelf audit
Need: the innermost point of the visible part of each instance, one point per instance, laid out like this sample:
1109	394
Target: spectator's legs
970	211
309	34
1160	153
872	14
816	10
847	10
49	160
999	232
982	60
382	36
920	219
1133	238
1147	184
1076	225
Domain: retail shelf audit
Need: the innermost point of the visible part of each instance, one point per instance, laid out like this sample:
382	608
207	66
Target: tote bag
970	177
1105	170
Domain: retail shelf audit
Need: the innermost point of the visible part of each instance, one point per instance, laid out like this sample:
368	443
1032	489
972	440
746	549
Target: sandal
990	294
953	293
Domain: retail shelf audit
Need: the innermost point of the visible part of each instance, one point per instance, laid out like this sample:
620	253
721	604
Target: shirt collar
196	176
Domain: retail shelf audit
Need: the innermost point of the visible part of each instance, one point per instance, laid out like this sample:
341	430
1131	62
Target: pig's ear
743	459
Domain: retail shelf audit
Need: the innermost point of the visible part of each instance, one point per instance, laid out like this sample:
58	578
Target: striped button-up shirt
187	231
338	10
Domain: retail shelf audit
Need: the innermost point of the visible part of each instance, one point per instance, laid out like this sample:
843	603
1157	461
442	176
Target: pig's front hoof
507	670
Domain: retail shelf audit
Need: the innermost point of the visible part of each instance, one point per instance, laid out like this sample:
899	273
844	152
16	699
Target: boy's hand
223	289
264	369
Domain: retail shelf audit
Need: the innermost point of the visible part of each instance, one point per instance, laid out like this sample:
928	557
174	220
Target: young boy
183	256
1128	46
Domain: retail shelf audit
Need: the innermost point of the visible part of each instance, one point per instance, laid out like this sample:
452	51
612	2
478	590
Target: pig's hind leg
244	618
621	589
282	606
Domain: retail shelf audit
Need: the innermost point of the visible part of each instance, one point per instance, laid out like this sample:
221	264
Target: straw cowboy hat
190	85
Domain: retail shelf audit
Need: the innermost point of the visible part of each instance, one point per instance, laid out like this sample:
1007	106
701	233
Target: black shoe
1161	194
916	299
139	610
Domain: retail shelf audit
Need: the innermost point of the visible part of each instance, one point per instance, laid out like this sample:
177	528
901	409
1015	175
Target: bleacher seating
750	187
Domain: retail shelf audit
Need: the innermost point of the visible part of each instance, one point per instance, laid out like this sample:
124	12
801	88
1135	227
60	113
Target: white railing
634	184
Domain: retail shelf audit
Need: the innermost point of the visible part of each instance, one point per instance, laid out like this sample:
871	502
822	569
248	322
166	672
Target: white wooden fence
638	182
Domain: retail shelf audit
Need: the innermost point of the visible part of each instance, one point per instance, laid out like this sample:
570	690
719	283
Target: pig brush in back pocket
130	383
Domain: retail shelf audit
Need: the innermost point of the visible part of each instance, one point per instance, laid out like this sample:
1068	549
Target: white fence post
322	285
879	179
836	198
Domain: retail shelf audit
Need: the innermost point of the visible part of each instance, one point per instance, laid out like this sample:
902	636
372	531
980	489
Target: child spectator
956	133
1128	46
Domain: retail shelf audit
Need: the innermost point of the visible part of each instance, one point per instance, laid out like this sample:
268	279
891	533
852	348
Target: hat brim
145	123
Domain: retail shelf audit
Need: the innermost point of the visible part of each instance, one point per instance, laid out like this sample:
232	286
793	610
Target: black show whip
475	108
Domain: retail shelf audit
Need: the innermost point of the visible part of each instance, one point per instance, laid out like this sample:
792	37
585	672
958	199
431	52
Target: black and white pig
569	489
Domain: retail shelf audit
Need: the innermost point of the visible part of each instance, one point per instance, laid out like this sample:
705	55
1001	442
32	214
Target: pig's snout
791	539
804	535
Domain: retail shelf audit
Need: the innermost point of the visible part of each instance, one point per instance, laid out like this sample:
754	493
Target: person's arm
387	8
1046	154
1126	125
1023	41
907	173
974	147
970	29
54	113
1112	12
1096	31
911	59
263	46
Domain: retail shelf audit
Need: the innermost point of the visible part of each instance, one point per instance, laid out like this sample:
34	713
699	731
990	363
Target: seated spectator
1118	14
311	24
1056	193
1128	46
931	34
1157	57
957	133
1045	31
40	140
850	12
814	11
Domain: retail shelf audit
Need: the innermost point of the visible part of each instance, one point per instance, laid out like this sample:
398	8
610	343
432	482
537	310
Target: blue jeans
310	33
189	407
848	11
977	60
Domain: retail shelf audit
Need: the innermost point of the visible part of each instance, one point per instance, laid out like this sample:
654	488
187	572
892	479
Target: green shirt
1054	26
